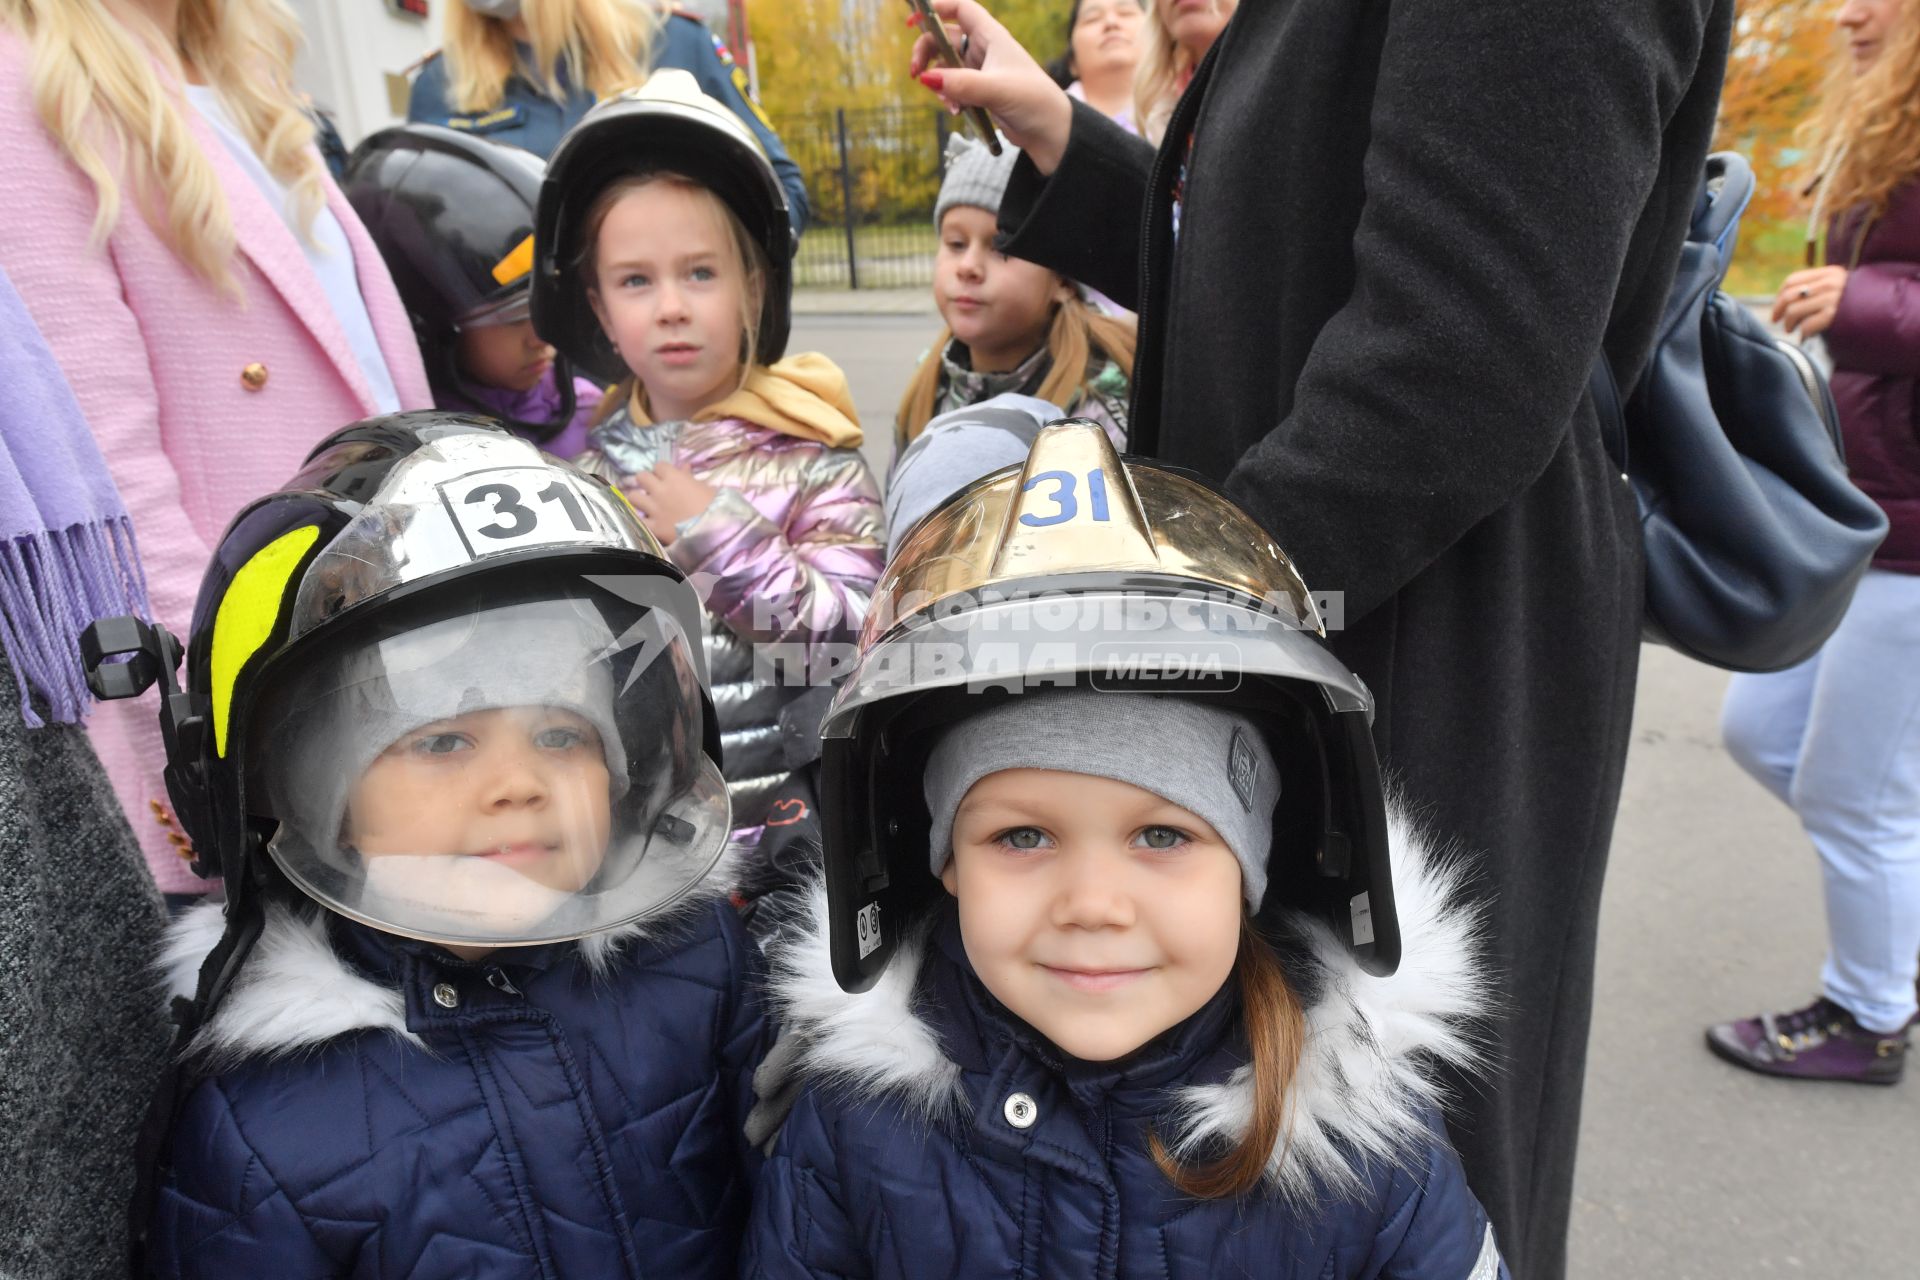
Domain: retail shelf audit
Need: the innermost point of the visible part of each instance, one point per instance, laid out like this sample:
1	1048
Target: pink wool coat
200	401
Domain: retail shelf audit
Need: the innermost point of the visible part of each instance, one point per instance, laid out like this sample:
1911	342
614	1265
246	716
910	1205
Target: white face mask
474	896
505	10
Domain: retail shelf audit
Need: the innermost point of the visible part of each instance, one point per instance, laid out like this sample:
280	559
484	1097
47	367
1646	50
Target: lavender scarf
67	554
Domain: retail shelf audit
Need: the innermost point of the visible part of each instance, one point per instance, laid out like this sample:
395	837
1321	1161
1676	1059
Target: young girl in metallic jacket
668	264
1133	1005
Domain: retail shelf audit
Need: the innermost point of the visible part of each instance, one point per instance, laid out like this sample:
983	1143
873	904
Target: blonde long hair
1164	65
1866	131
106	86
1276	1027
606	46
1076	333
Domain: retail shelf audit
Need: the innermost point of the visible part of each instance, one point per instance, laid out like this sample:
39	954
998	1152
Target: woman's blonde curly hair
106	83
1164	66
1865	135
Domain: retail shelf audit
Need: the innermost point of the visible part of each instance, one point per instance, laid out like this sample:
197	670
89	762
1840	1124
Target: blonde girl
211	298
668	270
1098	982
1010	325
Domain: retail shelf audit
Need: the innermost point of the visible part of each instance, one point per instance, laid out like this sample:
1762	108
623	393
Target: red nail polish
913	19
933	80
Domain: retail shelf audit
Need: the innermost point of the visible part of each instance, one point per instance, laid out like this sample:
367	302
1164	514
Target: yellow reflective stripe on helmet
247	614
516	264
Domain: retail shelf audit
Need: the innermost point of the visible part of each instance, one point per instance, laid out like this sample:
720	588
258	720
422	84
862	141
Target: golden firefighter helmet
1078	570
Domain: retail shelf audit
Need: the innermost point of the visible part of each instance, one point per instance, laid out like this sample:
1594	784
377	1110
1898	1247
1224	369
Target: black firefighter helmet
1081	571
453	217
420	567
667	125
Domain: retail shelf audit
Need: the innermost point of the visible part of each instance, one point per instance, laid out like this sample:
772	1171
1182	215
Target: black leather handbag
1755	538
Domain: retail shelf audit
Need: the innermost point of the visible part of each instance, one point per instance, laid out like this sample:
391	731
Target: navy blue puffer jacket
942	1139
381	1109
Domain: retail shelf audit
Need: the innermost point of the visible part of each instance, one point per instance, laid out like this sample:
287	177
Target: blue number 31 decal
1065	505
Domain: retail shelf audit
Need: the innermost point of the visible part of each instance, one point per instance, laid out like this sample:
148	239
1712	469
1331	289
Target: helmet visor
498	775
512	309
1205	642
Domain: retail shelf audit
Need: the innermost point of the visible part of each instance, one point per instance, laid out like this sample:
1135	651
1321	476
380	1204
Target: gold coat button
254	376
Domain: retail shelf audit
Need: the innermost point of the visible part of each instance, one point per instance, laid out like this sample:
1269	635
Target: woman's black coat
1408	228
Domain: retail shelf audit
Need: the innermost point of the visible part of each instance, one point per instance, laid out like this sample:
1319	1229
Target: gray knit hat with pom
975	176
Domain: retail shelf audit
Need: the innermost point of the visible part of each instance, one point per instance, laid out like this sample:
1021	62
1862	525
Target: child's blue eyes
1028	839
699	275
442	745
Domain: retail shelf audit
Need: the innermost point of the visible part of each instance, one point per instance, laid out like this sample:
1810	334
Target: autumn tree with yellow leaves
1782	51
819	55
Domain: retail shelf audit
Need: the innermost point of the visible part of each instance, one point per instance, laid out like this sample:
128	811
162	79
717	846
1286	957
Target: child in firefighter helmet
477	1001
452	214
666	264
1120	959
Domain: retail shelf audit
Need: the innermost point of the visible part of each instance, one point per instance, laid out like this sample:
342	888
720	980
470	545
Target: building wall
351	47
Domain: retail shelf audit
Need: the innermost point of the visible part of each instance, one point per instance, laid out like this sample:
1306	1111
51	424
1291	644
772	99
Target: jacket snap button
254	376
445	996
1020	1111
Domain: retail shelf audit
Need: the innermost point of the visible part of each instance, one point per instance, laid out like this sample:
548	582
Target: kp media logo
1200	666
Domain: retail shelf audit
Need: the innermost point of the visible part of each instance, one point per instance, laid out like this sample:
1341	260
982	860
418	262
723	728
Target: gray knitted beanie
1208	761
975	176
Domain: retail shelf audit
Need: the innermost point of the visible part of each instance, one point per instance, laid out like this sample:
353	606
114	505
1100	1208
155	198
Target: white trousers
1838	739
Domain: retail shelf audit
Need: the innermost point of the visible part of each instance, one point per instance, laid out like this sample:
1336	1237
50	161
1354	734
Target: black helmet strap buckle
124	657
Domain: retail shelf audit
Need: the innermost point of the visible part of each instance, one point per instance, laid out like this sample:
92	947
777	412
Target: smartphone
944	51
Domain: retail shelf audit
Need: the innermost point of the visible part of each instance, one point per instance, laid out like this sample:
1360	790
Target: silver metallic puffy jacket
786	554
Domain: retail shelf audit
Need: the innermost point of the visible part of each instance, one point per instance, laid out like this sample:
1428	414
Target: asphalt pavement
1689	1169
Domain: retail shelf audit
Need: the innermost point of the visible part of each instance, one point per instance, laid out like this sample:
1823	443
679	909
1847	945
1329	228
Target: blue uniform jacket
380	1109
939	1136
529	119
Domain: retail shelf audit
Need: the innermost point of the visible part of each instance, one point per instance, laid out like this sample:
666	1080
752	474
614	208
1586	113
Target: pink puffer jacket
787	554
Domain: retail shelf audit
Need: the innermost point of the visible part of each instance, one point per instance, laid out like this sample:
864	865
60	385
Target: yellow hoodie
804	396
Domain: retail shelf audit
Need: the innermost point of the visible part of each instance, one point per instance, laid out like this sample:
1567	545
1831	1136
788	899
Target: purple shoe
1819	1042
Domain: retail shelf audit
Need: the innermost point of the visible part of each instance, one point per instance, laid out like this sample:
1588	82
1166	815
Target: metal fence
872	177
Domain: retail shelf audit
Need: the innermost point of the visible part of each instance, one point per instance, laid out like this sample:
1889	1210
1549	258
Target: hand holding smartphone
945	53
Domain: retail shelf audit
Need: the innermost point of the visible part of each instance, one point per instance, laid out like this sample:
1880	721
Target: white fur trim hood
1364	1079
295	992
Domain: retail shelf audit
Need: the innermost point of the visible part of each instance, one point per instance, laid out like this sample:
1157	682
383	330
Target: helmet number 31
1066	506
506	508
